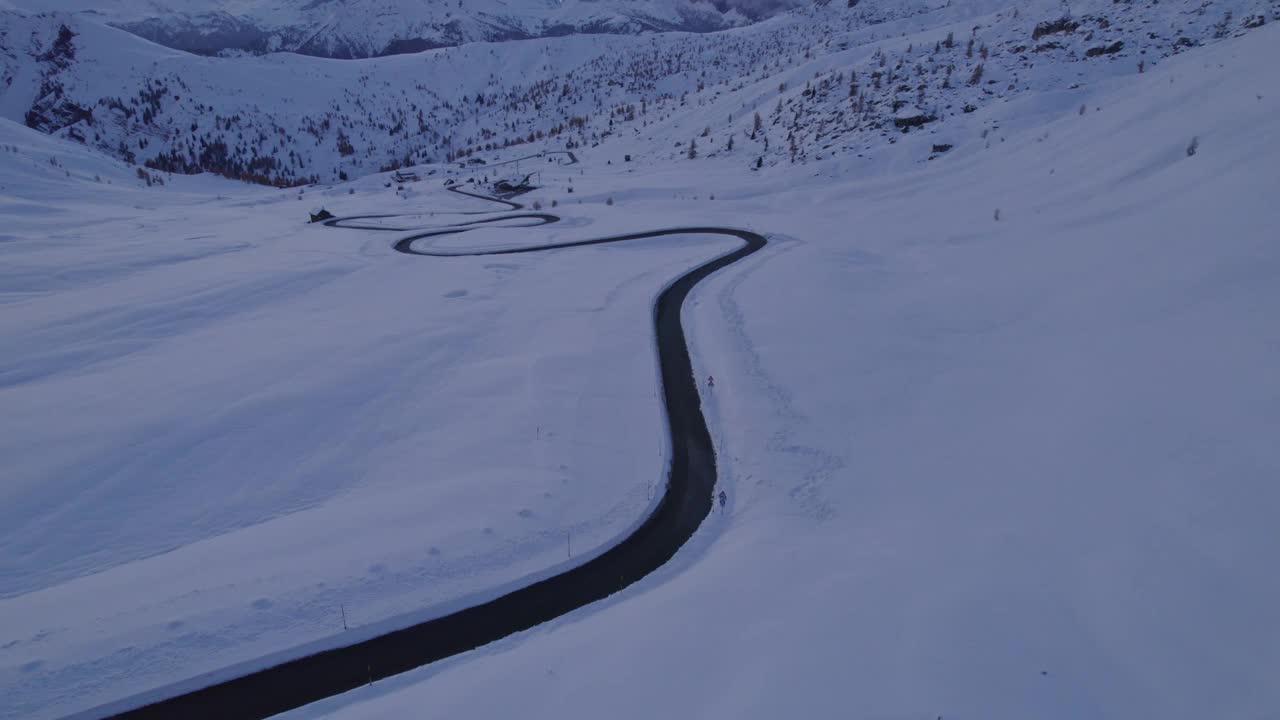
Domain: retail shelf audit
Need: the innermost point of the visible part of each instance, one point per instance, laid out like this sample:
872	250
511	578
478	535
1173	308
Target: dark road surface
687	502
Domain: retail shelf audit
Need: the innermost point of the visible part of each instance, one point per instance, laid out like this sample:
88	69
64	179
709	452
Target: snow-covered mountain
815	81
997	429
994	410
368	28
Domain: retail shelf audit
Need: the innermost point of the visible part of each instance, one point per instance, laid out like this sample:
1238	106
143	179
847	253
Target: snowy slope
960	450
828	80
368	28
240	439
977	468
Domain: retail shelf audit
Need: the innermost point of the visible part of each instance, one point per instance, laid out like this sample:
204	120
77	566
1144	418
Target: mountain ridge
902	82
357	29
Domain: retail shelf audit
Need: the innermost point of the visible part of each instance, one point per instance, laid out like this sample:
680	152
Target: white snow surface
978	466
267	424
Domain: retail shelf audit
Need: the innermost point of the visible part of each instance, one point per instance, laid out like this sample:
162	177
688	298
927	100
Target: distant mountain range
823	79
372	28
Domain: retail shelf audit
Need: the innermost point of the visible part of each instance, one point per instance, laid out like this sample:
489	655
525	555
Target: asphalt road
686	503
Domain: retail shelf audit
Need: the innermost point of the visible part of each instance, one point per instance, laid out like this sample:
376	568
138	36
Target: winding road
687	501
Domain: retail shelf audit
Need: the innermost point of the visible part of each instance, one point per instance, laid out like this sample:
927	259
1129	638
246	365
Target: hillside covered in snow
805	85
370	28
993	411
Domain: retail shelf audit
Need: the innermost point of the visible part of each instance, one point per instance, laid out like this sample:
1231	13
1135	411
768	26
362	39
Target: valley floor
997	433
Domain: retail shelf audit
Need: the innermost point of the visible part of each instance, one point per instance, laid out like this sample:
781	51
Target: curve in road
687	501
350	222
573	160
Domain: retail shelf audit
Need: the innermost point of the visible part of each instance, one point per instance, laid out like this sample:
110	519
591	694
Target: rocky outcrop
52	111
1053	27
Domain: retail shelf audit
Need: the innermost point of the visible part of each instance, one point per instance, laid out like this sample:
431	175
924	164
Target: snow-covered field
997	429
977	468
231	428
